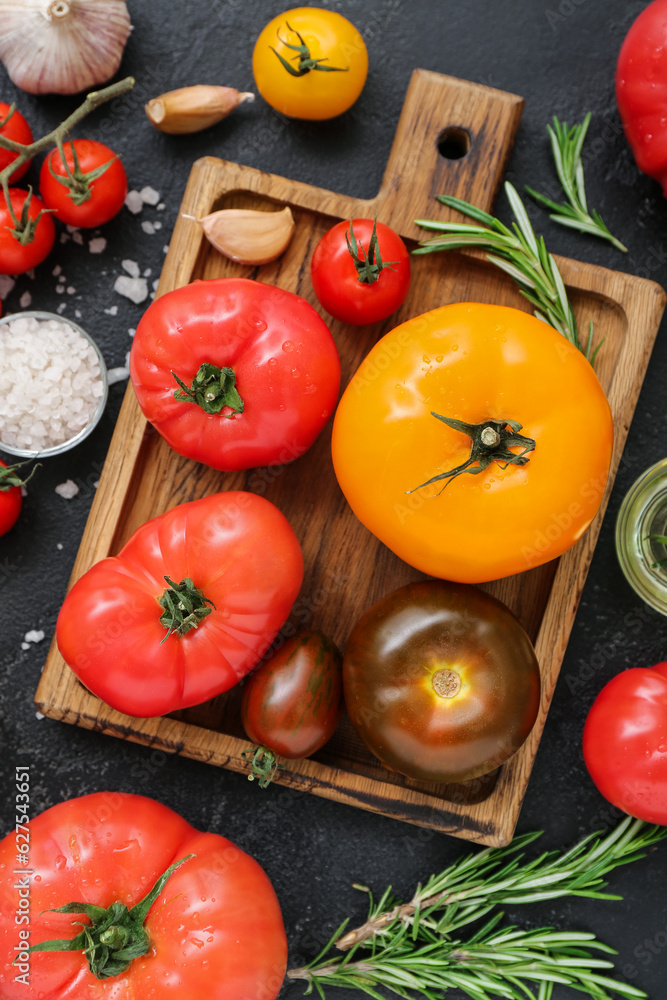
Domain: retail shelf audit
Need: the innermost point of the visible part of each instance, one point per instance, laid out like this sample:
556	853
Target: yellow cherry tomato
483	378
310	63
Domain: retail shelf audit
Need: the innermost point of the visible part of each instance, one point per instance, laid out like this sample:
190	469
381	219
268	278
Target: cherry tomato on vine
11	500
169	911
292	703
310	63
90	189
16	128
625	742
361	271
441	681
24	246
456	442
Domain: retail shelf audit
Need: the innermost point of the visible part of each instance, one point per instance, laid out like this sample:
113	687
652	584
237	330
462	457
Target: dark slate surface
560	55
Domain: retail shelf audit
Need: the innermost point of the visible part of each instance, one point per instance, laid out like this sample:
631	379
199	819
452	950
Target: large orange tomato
474	441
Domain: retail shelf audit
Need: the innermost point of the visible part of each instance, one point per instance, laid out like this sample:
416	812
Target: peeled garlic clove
247	236
192	109
62	46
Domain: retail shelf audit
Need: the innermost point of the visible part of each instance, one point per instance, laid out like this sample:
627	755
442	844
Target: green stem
369	264
491	442
263	765
185	607
115	935
27	152
306	62
212	388
9	478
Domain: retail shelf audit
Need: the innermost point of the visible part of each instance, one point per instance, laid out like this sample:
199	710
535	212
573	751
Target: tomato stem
115	935
491	442
263	765
24	229
369	264
185	607
213	389
9	479
306	62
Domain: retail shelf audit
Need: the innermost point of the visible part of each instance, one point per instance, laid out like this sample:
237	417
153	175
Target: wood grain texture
347	569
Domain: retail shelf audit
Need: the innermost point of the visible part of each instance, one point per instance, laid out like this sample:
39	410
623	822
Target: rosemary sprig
566	146
411	948
518	252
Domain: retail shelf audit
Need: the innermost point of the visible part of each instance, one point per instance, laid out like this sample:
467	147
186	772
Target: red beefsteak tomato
235	373
188	606
625	742
195	937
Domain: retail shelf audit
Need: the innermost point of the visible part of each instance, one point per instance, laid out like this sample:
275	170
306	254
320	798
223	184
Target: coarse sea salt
135	289
50	383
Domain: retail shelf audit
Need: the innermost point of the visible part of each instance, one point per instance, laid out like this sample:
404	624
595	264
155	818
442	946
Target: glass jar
643	514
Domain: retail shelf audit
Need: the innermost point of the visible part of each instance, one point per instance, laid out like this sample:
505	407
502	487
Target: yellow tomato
525	499
310	63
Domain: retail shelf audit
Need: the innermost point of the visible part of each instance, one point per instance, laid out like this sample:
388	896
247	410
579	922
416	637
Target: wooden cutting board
453	137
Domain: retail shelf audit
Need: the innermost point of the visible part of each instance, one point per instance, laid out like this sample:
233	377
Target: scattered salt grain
56	271
25	645
132	331
71	290
50	383
59	546
117	375
31	273
77	237
98	245
148	227
112	311
148	272
67	489
157	225
161	207
134	289
134	202
6	285
60	289
149	195
26	300
61	308
132	268
77	313
34	635
165	248
64	237
155	284
38	715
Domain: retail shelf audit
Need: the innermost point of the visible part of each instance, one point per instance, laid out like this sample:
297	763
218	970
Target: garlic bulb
192	109
62	46
247	236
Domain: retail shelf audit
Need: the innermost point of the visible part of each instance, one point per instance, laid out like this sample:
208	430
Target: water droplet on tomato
61	862
427	360
310	389
439	359
260	325
325	414
455	347
272	361
288	346
282	406
296	373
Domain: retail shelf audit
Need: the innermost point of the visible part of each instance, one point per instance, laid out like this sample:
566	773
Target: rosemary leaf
518	251
566	145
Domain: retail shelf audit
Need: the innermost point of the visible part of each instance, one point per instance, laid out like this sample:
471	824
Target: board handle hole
453	143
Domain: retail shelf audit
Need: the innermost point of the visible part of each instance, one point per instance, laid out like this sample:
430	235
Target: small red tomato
361	271
16	128
91	190
625	742
10	497
17	257
292	704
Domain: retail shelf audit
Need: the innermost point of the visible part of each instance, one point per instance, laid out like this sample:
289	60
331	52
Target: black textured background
560	55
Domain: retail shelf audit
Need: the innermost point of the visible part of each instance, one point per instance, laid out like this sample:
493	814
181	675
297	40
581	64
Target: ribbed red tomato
235	373
198	937
188	606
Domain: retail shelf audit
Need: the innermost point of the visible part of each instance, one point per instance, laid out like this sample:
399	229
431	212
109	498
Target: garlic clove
247	236
192	109
62	46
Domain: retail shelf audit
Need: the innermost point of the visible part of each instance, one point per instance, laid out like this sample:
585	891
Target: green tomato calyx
185	607
115	935
212	388
491	442
263	765
369	264
306	62
9	478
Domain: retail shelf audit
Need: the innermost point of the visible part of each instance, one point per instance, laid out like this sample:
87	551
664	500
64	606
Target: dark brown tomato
292	704
441	681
